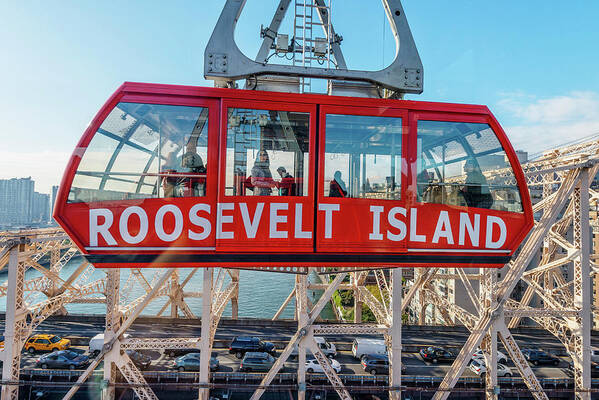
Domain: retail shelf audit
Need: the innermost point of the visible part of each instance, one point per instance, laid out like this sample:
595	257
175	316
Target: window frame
309	108
458	117
364	111
198	102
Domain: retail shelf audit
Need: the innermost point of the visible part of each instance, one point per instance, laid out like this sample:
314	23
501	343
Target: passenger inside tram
287	184
195	184
476	190
337	187
262	181
182	174
424	183
464	164
168	176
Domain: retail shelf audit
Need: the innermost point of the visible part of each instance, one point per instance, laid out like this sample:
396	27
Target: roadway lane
183	328
349	365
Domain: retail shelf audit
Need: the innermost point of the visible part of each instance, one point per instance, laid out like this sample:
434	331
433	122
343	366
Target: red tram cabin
191	176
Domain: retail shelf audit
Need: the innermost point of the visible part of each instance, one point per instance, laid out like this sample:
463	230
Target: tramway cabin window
363	157
464	164
267	153
145	151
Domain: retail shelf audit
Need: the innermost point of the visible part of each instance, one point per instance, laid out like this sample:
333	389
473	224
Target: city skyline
534	78
22	206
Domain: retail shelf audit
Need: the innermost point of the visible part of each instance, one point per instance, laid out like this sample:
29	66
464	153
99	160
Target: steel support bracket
224	62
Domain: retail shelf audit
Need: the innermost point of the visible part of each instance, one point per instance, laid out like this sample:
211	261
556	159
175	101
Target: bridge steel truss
560	237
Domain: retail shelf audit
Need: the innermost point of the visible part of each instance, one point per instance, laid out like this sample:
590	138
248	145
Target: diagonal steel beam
299	335
504	289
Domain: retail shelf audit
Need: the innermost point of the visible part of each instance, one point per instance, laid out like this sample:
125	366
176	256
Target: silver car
313	366
479	368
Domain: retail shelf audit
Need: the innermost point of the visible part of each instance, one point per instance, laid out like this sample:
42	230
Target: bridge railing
368	380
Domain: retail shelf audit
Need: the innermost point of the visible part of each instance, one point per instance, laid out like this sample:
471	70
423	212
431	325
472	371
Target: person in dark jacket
337	187
476	191
287	183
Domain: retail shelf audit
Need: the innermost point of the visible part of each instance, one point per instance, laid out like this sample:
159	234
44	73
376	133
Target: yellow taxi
45	342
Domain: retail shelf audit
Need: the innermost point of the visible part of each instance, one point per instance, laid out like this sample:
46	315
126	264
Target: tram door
361	190
266	193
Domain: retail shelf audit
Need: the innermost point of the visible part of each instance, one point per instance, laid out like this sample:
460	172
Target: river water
260	293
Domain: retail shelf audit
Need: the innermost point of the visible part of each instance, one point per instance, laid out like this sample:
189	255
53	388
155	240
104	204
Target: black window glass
464	164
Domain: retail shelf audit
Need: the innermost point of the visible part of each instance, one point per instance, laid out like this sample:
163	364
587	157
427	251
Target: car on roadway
257	361
141	360
375	364
594	354
180	352
478	354
436	354
313	366
243	344
479	368
363	346
327	348
191	362
45	342
96	344
1	342
536	357
63	359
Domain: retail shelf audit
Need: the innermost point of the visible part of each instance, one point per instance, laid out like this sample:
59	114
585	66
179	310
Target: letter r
96	229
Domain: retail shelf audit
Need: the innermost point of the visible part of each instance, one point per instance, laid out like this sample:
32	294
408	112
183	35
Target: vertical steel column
301	303
488	303
395	356
112	325
14	324
581	324
235	297
175	294
357	299
54	259
206	346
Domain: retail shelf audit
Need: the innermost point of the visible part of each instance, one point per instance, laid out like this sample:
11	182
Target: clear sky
534	63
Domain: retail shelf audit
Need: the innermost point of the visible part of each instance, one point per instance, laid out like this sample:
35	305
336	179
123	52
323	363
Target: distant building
54	193
16	201
522	156
40	212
